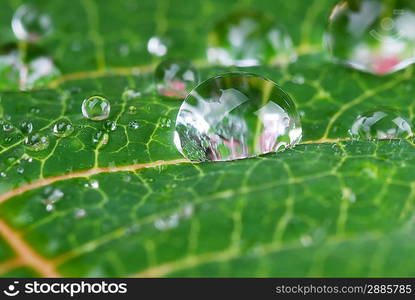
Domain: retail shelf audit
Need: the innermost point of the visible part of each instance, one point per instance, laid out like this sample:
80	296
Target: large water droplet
175	78
63	128
234	116
373	35
96	108
382	123
30	24
249	38
37	141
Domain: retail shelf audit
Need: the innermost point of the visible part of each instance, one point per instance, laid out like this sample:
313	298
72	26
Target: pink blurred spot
176	89
383	65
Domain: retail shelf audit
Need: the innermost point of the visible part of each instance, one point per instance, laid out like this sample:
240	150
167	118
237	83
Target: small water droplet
348	194
37	142
134	125
132	110
3	174
100	137
234	116
7	127
63	128
165	122
249	38
298	79
80	213
130	94
26	127
30	24
20	170
51	196
96	108
92	184
372	35
110	125
157	46
175	78
306	240
381	123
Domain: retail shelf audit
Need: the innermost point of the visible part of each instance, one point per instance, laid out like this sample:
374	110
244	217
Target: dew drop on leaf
7	127
37	141
175	78
80	213
372	35
100	137
249	38
110	125
381	123
134	125
165	122
96	108
234	116
26	127
132	110
63	128
30	24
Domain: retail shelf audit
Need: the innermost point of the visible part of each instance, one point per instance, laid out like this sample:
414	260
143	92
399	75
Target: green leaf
135	207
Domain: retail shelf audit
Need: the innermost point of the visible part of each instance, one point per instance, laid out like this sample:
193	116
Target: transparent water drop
234	116
80	213
30	24
130	94
175	78
20	170
63	128
26	127
165	122
3	174
92	184
37	141
381	123
134	125
249	38
96	108
100	137
374	36
51	196
110	125
157	46
132	110
11	160
7	127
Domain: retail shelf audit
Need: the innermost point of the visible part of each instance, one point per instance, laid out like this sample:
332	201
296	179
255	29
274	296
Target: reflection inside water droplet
373	35
382	123
234	116
249	38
